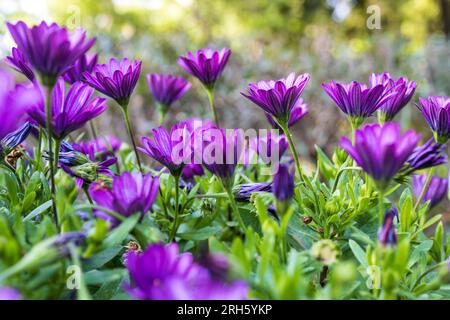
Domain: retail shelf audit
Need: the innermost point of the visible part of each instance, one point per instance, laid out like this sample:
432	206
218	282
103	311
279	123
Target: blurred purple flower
162	273
387	235
428	155
299	110
116	79
70	111
7	293
84	63
243	192
17	61
401	91
206	65
381	150
278	98
99	149
50	49
436	111
283	183
191	170
269	145
130	193
167	88
436	191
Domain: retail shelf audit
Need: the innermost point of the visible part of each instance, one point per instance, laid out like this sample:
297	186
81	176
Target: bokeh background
327	38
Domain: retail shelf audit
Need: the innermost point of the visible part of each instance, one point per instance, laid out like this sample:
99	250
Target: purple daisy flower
84	63
299	110
167	89
387	235
117	79
190	170
17	61
7	293
436	191
401	91
207	65
70	111
99	149
13	139
50	49
243	192
162	273
130	193
428	155
381	150
436	111
266	146
356	100
278	98
283	184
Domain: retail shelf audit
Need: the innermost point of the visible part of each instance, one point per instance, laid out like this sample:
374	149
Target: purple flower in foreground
162	273
116	79
299	110
436	111
387	235
167	88
436	191
84	63
401	91
206	65
243	192
99	149
278	98
130	193
356	100
18	62
50	49
7	293
381	150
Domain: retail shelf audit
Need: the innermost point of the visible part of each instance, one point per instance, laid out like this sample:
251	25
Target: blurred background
342	40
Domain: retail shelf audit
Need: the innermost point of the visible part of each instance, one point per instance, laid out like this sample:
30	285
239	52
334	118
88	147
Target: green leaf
358	252
120	233
42	208
100	259
200	234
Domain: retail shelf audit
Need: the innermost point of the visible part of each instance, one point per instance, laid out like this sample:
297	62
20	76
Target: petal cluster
84	63
436	191
436	111
299	110
20	64
167	89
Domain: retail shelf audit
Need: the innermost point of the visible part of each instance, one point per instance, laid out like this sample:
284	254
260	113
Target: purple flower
99	149
381	150
436	191
283	183
7	293
162	273
84	63
387	235
299	110
190	170
356	100
13	139
269	145
50	49
116	79
278	98
130	193
207	65
428	155
167	88
243	192
18	62
401	91
436	111
69	112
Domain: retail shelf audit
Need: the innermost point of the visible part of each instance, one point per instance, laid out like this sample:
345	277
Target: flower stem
48	111
288	135
234	207
425	188
210	93
130	133
57	149
380	206
93	130
173	233
39	150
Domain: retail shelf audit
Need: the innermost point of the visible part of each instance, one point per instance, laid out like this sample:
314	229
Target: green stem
425	187
93	130
288	135
380	206
39	149
48	111
88	196
210	93
173	233
234	207
130	133
57	149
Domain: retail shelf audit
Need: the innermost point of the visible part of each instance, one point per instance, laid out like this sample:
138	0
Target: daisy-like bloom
49	49
166	89
387	235
278	98
436	111
206	65
17	61
356	100
283	187
70	111
162	273
100	148
381	150
13	139
243	192
190	170
299	110
130	193
84	63
7	293
401	89
436	191
117	79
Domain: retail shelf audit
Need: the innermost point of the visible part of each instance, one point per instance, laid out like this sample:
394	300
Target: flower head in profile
130	193
401	91
436	111
167	89
48	48
100	148
387	235
18	62
278	98
12	140
117	79
243	192
436	191
357	100
206	65
162	273
283	187
71	110
84	63
299	110
381	150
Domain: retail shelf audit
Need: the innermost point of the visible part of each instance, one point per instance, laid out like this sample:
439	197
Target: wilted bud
326	251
